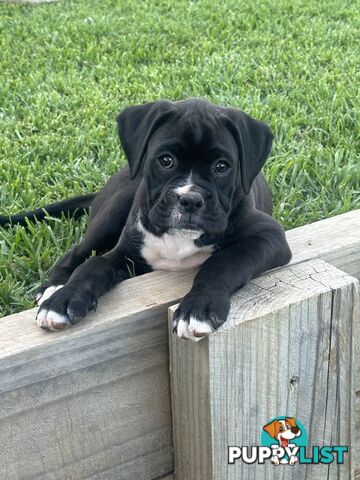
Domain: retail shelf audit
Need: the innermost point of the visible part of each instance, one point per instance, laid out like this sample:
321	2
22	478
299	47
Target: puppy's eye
221	167
281	428
166	161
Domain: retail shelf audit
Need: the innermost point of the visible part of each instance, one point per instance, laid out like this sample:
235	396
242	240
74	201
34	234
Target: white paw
41	297
51	320
194	330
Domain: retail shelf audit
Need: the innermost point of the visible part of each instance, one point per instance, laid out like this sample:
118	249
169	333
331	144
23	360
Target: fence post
286	349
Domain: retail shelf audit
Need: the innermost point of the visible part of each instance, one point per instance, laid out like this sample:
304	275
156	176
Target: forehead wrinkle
219	150
193	132
195	128
171	145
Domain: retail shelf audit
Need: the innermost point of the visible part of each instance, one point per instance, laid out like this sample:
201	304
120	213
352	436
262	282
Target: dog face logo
284	433
283	430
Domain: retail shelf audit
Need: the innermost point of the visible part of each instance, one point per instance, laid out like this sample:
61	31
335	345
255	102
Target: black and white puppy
191	197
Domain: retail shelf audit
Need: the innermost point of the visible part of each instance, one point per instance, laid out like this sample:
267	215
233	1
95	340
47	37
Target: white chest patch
173	252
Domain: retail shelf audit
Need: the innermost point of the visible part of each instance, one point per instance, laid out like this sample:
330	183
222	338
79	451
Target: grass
66	69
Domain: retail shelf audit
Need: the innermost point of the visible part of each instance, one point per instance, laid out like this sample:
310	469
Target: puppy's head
193	156
283	430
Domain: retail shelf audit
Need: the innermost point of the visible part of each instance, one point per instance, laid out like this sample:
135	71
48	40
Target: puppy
192	197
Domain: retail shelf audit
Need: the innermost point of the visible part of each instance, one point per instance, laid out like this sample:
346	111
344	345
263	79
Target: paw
293	460
51	320
193	329
46	293
64	307
198	315
275	460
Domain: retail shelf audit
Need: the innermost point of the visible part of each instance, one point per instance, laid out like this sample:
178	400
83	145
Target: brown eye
166	161
281	428
221	167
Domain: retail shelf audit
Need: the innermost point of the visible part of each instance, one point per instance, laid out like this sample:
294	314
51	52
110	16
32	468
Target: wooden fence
94	402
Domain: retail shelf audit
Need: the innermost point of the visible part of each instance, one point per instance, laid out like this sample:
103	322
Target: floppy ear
270	428
291	421
136	125
254	141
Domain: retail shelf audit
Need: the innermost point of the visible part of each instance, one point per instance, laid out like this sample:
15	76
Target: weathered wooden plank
143	297
89	405
287	349
335	240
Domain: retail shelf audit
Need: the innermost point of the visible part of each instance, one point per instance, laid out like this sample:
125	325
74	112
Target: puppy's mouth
284	441
185	225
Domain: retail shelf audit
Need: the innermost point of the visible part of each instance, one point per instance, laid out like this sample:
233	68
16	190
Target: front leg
80	294
205	308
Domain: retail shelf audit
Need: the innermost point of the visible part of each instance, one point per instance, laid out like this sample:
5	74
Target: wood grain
286	349
89	405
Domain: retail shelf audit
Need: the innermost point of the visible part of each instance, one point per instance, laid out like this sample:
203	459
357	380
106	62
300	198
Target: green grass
66	69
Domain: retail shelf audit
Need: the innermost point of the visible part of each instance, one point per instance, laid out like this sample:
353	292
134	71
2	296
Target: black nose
191	202
295	429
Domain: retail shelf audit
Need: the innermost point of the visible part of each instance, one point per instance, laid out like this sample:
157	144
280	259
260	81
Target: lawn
66	69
